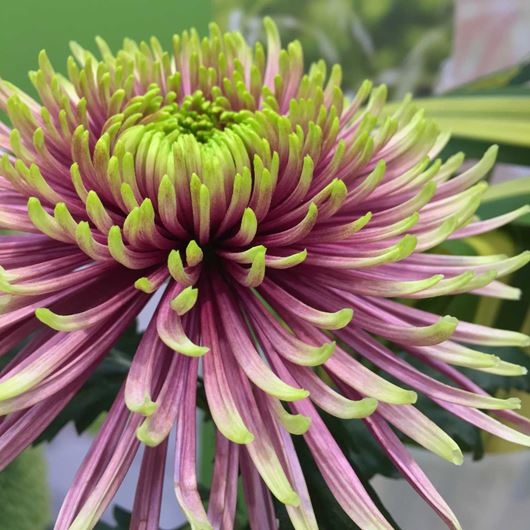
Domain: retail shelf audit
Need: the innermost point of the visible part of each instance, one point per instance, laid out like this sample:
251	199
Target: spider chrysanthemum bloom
284	227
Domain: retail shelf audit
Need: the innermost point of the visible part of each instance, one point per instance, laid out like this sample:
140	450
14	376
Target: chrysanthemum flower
285	227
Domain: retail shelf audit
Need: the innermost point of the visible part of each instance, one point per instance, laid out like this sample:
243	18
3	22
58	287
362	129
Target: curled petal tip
410	397
492	152
189	349
513	403
289	393
67	323
524	341
244	438
324	353
366	407
194	254
291	499
146	437
297	424
340	319
457	457
146	408
185	300
46	316
145	285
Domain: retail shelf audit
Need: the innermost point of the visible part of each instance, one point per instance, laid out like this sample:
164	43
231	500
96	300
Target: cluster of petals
285	232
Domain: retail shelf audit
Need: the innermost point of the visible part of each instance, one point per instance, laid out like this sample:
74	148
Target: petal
148	499
186	488
223	491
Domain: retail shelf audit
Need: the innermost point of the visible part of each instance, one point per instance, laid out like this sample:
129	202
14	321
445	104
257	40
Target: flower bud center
195	115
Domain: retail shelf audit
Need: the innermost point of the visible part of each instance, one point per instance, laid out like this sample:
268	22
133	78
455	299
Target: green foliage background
398	42
27	26
24	495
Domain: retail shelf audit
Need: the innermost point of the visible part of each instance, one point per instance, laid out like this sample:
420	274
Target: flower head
284	226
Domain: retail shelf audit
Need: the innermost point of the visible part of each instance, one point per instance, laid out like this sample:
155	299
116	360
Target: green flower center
195	115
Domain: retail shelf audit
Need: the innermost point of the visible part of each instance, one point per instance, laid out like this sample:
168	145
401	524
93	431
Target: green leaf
495	118
360	447
492	109
506	80
24	494
492	118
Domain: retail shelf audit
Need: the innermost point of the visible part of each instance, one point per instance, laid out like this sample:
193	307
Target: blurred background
448	53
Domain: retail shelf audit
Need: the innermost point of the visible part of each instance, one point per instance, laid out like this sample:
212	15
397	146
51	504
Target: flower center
195	115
